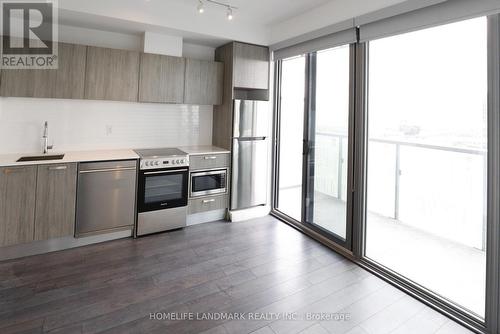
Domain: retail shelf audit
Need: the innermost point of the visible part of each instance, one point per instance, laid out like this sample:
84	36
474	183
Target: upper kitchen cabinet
112	74
161	79
204	82
17	204
66	82
250	66
55	201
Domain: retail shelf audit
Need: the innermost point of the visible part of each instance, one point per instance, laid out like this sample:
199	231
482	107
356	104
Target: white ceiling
255	21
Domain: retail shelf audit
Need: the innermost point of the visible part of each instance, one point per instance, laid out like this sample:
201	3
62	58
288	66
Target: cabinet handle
210	158
58	168
206	201
14	170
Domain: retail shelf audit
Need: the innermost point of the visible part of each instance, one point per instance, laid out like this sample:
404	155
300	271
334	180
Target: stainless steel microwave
208	183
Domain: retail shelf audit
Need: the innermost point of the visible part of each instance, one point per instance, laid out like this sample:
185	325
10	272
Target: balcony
426	215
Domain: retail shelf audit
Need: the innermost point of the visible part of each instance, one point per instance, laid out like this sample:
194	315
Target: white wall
330	13
100	38
162	44
85	125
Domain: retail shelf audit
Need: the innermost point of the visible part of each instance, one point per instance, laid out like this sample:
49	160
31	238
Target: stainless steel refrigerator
250	161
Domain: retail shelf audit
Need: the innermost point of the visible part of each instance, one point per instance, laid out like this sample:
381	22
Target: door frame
330	239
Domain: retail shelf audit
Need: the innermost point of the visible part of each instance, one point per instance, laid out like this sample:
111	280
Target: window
427	149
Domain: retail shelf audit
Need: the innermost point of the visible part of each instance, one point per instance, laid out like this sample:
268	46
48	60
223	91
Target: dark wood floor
260	267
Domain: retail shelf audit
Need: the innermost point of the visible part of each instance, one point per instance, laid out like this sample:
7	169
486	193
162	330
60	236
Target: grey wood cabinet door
55	201
66	82
161	79
251	66
17	204
112	74
204	82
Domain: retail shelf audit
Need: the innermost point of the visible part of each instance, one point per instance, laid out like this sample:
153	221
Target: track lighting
200	7
229	8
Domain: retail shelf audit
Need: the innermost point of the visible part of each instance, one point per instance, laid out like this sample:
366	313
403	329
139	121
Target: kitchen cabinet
55	201
203	82
66	82
17	204
112	74
161	79
210	203
209	161
251	66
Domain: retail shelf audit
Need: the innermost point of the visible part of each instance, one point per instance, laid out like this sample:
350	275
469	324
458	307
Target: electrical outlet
109	130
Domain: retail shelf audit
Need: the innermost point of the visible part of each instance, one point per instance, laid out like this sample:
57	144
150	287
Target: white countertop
70	156
207	149
98	155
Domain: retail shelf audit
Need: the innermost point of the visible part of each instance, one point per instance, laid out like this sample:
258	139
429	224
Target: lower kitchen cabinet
55	201
17	204
209	161
203	204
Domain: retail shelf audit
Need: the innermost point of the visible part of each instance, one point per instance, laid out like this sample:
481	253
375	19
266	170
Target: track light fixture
201	7
229	8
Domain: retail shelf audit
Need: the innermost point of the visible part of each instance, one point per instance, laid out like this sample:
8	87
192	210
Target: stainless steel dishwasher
106	197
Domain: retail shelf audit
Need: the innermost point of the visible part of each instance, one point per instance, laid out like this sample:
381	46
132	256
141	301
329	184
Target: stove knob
177	161
157	163
147	163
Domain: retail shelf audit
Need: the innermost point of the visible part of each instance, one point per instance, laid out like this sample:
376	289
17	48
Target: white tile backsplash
89	125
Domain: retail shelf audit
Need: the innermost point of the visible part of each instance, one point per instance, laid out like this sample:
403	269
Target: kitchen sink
41	157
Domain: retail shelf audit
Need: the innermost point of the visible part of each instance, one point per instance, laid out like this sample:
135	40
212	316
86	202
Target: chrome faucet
46	146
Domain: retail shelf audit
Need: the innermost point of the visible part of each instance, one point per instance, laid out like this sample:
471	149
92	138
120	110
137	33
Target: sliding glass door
313	137
426	164
328	138
290	137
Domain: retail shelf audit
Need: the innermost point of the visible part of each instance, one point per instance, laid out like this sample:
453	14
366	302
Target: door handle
163	204
210	158
305	147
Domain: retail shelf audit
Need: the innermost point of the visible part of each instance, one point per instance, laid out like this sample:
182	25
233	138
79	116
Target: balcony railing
443	194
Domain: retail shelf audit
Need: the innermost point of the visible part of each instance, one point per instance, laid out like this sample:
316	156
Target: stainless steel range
162	190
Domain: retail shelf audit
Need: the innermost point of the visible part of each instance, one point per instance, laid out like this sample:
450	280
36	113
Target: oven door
208	183
161	189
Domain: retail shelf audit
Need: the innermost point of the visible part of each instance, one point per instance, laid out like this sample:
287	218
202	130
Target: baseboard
53	245
250	213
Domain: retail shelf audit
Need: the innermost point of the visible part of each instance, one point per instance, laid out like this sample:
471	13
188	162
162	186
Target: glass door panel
427	148
326	206
291	131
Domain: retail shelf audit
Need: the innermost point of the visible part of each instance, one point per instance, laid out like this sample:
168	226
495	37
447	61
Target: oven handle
214	172
166	172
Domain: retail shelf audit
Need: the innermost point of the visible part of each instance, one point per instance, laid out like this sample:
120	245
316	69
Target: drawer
203	204
209	161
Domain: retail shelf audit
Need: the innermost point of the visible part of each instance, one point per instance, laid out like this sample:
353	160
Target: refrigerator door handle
249	138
